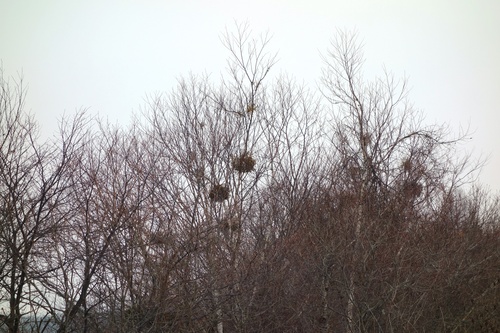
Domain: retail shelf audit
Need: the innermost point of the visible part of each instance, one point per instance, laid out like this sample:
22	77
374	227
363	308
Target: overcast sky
109	55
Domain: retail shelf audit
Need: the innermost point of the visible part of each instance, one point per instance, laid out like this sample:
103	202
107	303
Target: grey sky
108	55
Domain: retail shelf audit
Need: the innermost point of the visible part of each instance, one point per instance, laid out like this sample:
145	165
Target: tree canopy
251	204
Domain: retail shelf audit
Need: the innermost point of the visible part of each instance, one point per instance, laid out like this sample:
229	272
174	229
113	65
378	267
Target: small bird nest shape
244	163
231	224
412	189
250	108
219	193
407	165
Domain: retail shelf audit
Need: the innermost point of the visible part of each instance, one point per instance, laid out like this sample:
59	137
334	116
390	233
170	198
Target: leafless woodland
254	204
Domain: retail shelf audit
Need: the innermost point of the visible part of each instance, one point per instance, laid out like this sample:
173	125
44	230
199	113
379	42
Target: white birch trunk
367	165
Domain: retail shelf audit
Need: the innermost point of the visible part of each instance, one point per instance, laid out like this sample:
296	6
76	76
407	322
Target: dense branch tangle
252	204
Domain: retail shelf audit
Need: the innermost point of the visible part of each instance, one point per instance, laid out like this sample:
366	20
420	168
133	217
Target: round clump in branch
251	108
244	163
407	165
219	193
412	189
231	224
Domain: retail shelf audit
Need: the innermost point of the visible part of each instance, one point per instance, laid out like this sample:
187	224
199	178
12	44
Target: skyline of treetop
252	203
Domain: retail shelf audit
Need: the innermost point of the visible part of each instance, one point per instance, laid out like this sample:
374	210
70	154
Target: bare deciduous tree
384	151
32	185
251	204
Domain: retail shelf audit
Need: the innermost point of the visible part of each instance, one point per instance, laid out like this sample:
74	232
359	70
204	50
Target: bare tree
98	204
32	185
233	152
384	151
251	204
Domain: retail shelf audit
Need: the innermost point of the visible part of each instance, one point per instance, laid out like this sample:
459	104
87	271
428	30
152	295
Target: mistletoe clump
244	163
219	193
